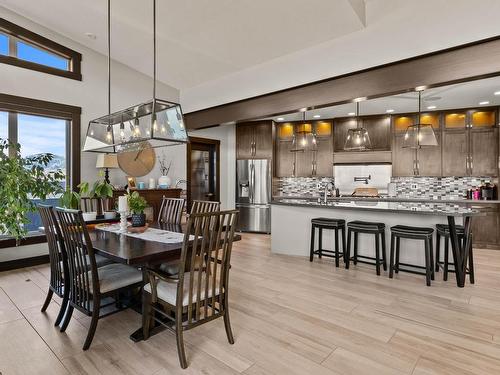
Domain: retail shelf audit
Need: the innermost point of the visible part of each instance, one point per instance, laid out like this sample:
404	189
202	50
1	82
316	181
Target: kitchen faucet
361	178
328	187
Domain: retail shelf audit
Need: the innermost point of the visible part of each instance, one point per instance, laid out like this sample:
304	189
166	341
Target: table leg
457	252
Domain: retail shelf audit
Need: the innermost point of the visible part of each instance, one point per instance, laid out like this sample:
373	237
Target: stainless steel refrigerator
253	195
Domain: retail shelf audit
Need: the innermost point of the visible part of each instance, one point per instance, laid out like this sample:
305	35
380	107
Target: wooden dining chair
57	260
89	285
171	210
200	294
198	207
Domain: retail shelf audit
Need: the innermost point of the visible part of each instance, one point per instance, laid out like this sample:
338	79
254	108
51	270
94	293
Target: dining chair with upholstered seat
171	210
89	285
200	294
57	260
171	269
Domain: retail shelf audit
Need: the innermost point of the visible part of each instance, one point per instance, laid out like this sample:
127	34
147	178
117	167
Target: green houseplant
23	179
136	205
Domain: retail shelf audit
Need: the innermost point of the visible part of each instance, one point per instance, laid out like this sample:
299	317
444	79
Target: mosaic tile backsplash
435	187
406	187
302	186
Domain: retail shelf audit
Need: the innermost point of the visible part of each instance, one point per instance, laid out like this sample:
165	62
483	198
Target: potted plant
136	205
104	190
70	199
23	179
87	192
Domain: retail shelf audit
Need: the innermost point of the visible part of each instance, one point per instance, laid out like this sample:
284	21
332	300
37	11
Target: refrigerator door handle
251	182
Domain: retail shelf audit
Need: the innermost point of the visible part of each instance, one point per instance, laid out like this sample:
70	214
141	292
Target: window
26	49
43	127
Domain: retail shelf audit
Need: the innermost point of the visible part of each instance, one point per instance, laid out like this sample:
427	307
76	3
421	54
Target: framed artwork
131	182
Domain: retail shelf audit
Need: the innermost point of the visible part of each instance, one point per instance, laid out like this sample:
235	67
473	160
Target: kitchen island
291	224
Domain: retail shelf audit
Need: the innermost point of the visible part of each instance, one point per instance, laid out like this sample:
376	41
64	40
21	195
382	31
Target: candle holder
123	221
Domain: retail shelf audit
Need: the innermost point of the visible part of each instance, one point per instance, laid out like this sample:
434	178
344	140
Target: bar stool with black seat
443	230
336	225
378	229
412	233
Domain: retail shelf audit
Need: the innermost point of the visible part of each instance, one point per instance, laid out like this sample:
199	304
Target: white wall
396	29
129	87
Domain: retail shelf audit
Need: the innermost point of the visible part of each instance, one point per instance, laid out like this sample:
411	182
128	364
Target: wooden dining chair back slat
57	260
201	292
78	244
171	210
198	207
92	205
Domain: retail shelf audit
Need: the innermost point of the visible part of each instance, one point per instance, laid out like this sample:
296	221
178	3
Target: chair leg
337	255
320	243
311	251
227	322
398	248
471	264
377	254
146	314
428	265
67	318
344	246
431	253
391	257
50	293
93	323
355	248
446	252
64	307
180	342
438	250
384	258
347	250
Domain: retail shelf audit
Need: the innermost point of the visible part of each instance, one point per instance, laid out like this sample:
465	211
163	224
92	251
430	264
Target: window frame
15	32
21	105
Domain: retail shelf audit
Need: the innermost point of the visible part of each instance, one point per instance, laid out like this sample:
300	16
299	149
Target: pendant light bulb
122	131
109	134
137	129
155	123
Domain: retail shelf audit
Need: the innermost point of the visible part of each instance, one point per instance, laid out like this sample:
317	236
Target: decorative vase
164	182
138	220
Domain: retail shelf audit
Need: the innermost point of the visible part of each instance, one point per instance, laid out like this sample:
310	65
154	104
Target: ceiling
198	40
463	95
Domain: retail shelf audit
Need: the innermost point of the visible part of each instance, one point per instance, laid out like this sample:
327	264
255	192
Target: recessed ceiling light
420	88
280	118
303	109
91	35
389	110
484	103
317	116
431	107
351	114
496	93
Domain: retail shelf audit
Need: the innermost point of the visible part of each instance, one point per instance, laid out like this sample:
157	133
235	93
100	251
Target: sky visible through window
38	134
4	125
30	53
4	44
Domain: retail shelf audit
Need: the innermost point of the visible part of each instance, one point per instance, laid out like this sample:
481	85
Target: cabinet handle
418	167
467	169
293	169
471	164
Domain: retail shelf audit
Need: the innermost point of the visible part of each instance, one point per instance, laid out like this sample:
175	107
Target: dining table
140	251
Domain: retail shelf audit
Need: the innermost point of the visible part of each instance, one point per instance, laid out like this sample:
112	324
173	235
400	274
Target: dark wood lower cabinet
485	229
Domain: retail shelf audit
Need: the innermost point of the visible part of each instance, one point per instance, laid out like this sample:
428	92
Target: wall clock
137	161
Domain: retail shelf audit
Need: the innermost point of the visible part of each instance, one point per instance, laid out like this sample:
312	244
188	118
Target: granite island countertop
428	207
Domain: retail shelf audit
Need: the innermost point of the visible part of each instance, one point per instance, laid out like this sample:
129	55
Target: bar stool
443	230
414	233
377	229
330	224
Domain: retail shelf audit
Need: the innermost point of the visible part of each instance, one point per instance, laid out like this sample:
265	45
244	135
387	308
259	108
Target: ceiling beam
475	60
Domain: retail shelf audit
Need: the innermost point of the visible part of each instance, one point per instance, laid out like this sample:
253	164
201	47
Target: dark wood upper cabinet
484	153
403	159
429	160
285	159
379	130
254	140
455	153
378	127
